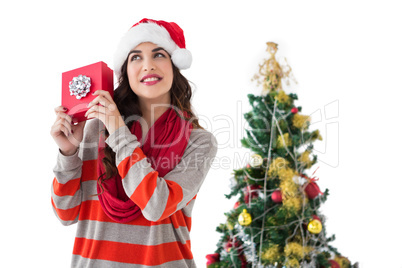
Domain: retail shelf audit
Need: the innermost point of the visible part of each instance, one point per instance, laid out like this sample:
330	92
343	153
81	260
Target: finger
100	109
98	100
109	104
59	128
107	101
60	109
65	131
62	115
92	110
98	115
68	126
97	111
105	94
73	140
65	124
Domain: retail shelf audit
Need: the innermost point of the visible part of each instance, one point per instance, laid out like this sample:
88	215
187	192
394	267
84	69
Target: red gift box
101	78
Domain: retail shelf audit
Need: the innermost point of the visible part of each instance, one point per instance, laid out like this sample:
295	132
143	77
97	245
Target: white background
345	55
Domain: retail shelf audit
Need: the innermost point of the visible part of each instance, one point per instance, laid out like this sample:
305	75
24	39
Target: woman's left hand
107	111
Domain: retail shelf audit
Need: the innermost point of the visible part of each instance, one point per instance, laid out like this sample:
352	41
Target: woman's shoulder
202	140
199	134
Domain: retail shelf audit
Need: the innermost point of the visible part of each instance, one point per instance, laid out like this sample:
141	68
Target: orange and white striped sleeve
70	172
66	188
158	197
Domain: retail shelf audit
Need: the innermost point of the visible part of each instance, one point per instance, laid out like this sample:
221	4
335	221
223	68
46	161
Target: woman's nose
148	65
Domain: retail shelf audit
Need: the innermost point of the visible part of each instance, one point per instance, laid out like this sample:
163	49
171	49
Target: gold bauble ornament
314	226
245	218
256	160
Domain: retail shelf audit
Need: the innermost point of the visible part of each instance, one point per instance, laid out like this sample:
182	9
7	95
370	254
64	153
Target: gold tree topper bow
271	73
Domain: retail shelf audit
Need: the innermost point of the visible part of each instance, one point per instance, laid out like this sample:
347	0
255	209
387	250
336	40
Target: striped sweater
160	237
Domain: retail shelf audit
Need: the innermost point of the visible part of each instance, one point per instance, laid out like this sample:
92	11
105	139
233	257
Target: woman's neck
152	111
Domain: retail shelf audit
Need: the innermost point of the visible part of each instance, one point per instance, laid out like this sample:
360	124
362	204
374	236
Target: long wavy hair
128	105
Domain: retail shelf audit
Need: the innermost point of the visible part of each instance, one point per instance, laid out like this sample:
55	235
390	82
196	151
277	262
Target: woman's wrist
113	126
69	152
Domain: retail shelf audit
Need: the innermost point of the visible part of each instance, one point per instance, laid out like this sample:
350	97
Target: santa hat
167	35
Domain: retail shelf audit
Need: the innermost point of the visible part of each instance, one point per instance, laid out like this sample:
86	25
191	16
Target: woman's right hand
65	133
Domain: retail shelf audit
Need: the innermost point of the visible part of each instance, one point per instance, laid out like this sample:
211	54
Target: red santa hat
167	35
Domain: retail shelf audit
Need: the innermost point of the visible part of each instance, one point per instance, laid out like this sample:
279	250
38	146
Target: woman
130	178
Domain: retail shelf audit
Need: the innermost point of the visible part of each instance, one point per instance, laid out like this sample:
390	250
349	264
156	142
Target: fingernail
65	109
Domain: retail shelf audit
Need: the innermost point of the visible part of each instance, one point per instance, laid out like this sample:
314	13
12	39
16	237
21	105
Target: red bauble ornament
243	260
251	190
236	205
228	246
277	196
232	243
312	190
294	110
212	258
334	264
315	217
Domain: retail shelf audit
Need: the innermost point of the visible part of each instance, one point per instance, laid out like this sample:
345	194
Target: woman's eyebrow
153	50
134	51
157	49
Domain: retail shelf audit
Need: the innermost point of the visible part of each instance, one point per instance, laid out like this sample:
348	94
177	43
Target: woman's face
150	72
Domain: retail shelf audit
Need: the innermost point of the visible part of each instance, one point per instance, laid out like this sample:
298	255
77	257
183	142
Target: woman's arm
159	197
66	191
66	188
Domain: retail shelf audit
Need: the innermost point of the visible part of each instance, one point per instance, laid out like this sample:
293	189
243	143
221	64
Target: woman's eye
159	55
135	57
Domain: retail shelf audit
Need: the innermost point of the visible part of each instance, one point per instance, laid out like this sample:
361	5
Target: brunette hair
128	105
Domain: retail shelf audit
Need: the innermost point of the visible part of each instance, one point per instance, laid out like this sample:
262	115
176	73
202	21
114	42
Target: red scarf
169	130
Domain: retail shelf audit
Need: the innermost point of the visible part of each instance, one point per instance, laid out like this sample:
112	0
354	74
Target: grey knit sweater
160	237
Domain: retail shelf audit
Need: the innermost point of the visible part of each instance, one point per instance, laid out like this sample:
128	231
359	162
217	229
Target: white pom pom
182	58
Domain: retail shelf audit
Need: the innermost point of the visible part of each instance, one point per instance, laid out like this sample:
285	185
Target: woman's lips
151	79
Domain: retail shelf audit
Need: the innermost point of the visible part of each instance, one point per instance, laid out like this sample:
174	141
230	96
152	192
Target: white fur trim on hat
150	32
182	58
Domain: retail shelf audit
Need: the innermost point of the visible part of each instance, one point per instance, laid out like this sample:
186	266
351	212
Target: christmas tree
276	220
